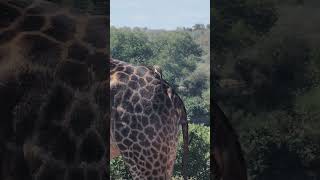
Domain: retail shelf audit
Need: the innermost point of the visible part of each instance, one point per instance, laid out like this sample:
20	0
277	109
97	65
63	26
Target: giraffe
55	104
145	119
228	163
53	92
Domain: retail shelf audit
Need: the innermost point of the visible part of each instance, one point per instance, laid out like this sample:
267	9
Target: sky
159	14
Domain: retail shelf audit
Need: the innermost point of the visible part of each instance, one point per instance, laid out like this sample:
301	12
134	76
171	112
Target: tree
177	53
199	155
129	45
198	27
255	17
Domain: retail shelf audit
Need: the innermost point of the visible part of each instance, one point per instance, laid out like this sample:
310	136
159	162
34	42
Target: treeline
266	73
183	56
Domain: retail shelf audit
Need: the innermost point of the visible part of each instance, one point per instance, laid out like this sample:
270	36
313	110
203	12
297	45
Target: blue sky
159	14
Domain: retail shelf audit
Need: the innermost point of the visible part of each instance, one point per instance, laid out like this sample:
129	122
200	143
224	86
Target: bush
196	106
198	165
118	169
275	153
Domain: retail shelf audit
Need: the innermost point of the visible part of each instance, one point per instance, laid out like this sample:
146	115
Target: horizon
155	29
159	15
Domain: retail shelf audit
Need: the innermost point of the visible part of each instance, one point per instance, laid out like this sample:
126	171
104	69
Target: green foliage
314	67
130	45
234	17
198	80
274	154
196	106
118	169
199	153
277	62
177	53
309	101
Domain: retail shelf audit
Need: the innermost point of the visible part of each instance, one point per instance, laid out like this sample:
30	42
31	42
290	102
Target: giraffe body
145	120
